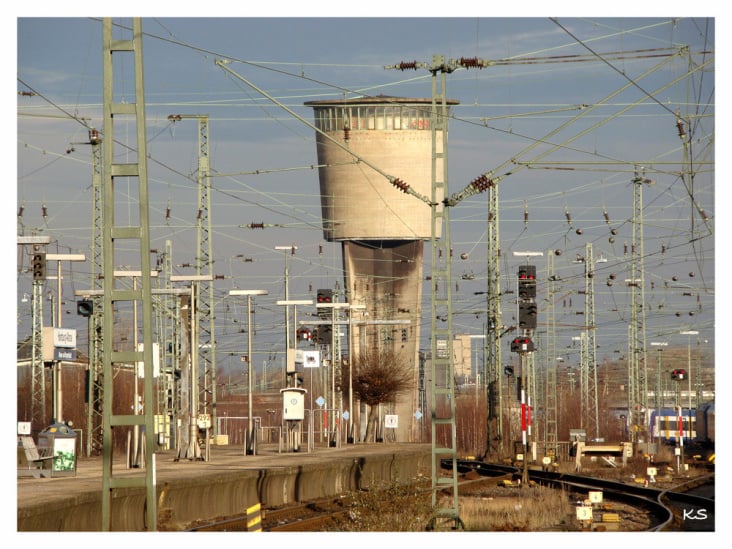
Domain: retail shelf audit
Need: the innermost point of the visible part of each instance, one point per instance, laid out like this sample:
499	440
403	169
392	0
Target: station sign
64	338
307	359
64	354
55	340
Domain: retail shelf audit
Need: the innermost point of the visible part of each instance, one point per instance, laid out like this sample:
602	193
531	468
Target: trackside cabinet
293	403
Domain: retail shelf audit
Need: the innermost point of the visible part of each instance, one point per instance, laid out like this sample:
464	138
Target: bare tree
380	376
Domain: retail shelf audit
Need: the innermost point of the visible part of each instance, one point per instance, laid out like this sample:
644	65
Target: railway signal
85	307
323	335
39	266
527	281
678	374
527	315
325	296
522	345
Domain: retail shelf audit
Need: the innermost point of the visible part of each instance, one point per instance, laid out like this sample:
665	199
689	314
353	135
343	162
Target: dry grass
532	509
408	508
392	507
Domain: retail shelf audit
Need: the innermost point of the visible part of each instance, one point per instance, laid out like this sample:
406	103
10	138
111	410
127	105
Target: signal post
523	344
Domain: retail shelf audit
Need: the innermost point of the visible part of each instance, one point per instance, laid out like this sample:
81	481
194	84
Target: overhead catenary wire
536	213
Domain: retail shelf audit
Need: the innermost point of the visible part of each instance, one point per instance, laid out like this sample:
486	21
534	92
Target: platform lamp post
251	446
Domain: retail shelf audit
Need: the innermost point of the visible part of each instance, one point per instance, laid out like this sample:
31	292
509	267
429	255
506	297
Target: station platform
225	484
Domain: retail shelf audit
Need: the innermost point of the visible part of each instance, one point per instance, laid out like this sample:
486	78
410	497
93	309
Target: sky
575	108
567	137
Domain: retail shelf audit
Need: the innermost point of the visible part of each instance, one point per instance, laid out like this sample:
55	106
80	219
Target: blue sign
64	354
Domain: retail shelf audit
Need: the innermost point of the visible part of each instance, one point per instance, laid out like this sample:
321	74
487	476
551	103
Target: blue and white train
666	424
705	424
697	425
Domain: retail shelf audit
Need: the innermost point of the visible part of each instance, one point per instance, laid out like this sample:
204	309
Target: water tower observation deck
391	133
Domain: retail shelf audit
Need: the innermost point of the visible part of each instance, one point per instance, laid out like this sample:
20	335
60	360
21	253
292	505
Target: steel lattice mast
38	381
494	432
95	388
442	383
204	266
444	432
550	398
137	238
590	347
38	376
637	365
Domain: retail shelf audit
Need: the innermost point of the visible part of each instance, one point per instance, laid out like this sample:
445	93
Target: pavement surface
221	459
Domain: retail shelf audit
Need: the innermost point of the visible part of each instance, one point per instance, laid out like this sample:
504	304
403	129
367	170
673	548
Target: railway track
314	516
664	510
667	510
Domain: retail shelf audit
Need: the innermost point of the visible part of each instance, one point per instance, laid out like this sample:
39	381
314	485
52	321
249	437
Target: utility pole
95	385
637	366
590	395
444	431
126	237
550	409
495	442
444	437
206	344
171	326
38	378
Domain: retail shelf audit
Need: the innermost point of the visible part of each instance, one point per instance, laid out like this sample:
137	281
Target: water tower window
338	118
389	117
370	117
380	118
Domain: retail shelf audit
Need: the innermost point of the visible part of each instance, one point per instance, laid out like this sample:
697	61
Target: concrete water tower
382	230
